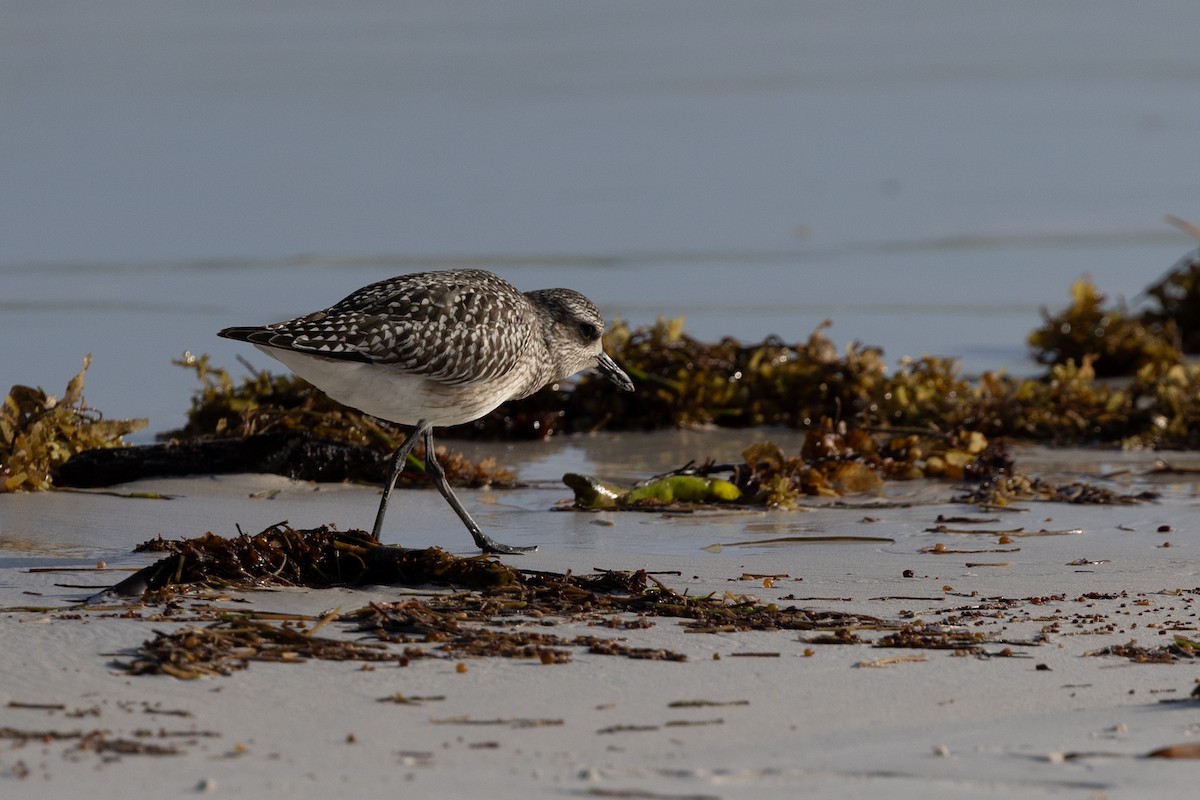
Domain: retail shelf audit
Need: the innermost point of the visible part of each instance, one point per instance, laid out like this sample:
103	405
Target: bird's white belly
386	392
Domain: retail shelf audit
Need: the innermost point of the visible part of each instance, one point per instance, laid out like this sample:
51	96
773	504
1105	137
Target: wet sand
1031	715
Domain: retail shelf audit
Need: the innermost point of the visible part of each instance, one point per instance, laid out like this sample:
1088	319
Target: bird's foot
489	545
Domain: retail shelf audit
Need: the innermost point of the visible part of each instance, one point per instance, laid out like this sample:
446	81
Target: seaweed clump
1115	341
1119	341
1178	297
39	432
684	382
460	623
835	461
282	556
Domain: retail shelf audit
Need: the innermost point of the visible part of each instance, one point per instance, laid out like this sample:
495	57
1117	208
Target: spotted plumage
439	348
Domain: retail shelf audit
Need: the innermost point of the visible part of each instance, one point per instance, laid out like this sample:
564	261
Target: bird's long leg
397	466
438	476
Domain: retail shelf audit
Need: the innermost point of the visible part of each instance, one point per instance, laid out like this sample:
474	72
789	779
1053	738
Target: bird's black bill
609	369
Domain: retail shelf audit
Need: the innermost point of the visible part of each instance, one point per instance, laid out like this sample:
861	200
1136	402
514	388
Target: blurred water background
926	174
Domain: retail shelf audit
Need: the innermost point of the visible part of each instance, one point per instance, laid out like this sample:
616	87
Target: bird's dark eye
589	331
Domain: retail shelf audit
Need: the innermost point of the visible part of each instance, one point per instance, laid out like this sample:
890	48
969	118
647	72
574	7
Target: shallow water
927	175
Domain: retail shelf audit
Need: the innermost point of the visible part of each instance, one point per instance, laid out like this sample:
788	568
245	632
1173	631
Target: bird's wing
450	331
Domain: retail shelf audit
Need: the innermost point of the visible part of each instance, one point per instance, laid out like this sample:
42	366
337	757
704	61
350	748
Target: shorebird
439	348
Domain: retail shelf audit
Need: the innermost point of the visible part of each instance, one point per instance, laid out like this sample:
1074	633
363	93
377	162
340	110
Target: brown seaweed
1116	341
1177	295
1181	648
39	432
835	461
284	556
459	623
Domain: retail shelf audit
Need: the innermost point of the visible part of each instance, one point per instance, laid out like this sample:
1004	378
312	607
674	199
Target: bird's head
576	334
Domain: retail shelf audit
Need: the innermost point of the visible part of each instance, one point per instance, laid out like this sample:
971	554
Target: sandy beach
1032	712
927	175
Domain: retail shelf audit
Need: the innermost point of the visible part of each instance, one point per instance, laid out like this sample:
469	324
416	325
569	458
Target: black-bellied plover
439	348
